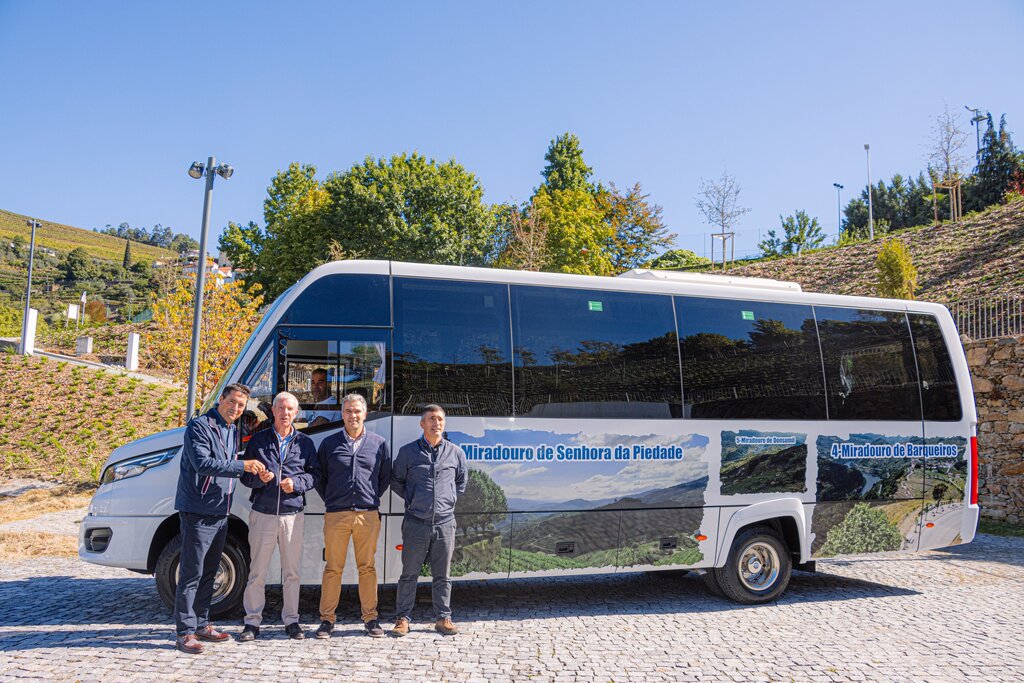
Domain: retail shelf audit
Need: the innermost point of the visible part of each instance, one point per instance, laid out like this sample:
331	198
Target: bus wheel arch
758	567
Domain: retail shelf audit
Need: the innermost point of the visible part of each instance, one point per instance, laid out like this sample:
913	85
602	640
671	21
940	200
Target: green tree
578	236
1000	164
77	265
939	491
410	208
897	276
680	259
800	232
636	224
566	169
864	530
183	243
483	502
126	263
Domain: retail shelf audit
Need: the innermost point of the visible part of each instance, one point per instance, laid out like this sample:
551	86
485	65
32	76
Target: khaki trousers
265	533
363	528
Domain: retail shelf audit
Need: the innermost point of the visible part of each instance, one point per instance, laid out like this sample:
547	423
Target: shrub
897	276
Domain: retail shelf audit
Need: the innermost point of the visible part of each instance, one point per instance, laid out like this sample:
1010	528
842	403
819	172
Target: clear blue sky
106	104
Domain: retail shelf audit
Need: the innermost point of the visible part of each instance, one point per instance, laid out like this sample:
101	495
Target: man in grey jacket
429	474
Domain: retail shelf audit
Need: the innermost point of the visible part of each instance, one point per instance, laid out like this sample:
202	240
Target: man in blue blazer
209	468
354	472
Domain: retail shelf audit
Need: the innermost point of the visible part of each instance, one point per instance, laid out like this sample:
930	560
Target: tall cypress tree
127	262
566	169
999	163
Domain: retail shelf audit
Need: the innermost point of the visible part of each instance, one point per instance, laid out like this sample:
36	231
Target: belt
355	509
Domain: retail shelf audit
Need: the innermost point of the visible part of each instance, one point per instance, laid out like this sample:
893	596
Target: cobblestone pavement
940	616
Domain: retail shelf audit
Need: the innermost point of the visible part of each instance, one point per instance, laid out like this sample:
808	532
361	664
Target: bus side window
870	372
452	347
749	359
941	400
595	353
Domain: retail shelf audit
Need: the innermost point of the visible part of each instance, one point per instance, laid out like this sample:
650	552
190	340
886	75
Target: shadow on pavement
63	604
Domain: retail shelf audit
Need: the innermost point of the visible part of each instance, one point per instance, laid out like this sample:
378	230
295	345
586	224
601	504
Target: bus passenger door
320	366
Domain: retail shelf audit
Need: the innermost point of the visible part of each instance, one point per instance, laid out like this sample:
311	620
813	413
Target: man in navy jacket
276	521
209	468
354	471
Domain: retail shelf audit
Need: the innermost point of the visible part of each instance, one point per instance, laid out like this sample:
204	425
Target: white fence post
131	360
28	344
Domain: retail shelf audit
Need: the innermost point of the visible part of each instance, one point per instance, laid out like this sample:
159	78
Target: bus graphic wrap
577	501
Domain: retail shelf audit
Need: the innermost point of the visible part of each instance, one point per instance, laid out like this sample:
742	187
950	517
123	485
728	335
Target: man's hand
287	485
266	475
254	466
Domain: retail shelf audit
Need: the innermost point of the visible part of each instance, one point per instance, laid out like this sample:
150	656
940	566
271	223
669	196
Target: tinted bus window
749	359
582	353
940	398
452	347
343	300
869	364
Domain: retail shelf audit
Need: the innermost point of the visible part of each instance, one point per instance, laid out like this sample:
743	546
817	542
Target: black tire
758	568
234	569
710	580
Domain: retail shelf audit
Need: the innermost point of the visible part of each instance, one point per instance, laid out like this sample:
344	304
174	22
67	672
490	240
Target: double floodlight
198	169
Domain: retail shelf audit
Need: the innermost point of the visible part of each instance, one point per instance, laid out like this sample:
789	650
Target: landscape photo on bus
735	427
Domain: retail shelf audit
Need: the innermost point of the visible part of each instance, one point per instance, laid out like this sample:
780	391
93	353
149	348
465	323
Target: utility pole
871	210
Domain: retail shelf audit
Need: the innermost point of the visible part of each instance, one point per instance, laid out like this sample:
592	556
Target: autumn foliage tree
230	314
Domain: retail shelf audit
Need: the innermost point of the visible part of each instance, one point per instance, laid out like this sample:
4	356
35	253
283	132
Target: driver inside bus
321	390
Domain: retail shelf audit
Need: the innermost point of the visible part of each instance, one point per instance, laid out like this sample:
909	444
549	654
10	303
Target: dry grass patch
41	501
21	545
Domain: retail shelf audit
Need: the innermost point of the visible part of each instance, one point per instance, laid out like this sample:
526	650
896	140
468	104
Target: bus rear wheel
758	568
228	585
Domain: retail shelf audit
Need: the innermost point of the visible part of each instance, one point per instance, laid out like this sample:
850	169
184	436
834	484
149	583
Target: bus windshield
211	398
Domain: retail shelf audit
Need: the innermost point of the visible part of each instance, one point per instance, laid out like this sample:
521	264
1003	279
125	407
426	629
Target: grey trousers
267	532
419	540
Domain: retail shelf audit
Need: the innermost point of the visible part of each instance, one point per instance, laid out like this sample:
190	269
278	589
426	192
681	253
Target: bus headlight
133	467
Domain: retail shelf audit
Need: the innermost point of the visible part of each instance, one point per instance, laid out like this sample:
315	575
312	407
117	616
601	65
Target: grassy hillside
982	256
60	421
64	238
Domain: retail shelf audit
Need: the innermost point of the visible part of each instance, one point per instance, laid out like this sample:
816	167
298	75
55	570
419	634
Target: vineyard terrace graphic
540	500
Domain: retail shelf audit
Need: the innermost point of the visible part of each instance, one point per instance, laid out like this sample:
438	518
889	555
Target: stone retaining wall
997	370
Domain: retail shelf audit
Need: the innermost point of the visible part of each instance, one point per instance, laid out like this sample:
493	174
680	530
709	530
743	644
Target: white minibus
655	420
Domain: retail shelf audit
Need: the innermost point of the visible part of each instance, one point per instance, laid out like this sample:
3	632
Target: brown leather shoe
401	627
188	644
445	627
212	635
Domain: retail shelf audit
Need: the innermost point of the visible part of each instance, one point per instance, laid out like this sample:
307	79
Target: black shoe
325	630
373	629
249	634
295	632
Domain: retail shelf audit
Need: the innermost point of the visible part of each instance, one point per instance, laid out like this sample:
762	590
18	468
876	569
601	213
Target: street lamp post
28	285
976	122
839	210
871	210
197	171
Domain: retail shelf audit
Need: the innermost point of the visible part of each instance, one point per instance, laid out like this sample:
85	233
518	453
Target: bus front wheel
228	585
758	568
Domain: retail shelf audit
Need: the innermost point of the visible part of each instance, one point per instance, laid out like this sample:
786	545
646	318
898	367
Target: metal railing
989	317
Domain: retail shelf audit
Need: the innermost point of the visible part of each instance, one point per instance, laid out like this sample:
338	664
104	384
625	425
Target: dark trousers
202	542
419	540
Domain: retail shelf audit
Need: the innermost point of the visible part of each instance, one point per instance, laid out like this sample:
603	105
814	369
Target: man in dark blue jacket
354	471
276	521
429	474
209	468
